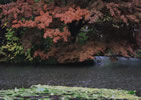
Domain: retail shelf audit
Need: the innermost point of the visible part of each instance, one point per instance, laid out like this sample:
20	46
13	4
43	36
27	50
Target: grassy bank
44	92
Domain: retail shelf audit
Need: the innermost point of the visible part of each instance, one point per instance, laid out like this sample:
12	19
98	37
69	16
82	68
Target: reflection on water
123	74
105	61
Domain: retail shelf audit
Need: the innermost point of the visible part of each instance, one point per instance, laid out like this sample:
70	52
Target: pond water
122	74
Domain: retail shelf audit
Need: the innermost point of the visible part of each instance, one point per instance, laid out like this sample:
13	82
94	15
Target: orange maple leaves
56	34
40	54
40	22
117	11
45	20
73	14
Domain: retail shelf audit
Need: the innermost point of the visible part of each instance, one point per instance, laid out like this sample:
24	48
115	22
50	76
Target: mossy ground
45	92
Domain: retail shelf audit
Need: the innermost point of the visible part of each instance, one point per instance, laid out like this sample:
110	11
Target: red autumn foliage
54	19
44	16
73	14
40	54
56	34
118	11
138	37
71	53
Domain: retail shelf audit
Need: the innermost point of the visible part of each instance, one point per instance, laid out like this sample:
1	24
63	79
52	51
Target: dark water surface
123	74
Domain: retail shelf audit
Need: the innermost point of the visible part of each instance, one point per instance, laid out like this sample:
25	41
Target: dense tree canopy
69	30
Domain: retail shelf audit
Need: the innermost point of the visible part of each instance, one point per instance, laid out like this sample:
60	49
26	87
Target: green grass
45	92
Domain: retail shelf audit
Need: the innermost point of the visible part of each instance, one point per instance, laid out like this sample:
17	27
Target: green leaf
36	0
132	92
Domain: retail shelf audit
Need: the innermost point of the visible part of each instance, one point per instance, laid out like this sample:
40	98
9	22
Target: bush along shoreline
45	92
68	31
